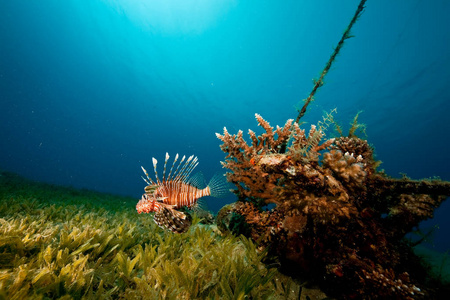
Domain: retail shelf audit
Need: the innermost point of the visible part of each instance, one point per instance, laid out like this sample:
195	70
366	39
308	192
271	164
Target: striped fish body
164	197
180	194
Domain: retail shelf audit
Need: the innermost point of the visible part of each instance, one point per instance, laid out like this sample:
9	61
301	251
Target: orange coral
335	216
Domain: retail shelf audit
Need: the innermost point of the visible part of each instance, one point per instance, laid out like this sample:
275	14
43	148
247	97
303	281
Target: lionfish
167	195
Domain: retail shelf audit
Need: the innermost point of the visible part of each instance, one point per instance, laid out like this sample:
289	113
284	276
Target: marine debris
319	82
331	216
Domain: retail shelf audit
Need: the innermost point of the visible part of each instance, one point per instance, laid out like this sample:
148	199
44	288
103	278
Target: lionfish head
147	204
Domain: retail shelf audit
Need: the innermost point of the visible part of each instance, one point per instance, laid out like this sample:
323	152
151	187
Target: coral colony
333	216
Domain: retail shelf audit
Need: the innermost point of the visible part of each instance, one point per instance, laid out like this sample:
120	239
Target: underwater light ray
173	17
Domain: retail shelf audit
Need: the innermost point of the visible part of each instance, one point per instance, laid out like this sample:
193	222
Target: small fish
167	195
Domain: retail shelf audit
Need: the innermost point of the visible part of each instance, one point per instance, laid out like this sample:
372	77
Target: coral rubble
333	215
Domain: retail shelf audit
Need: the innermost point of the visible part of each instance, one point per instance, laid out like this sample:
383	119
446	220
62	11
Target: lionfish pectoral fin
200	205
171	219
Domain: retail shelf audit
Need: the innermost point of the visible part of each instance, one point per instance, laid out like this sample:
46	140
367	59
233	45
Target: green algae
63	243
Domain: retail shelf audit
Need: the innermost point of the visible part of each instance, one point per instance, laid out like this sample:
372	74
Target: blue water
90	90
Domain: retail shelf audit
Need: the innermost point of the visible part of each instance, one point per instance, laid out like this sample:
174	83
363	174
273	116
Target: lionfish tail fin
175	221
219	186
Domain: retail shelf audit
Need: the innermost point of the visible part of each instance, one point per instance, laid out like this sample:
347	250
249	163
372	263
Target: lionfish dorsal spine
178	167
173	164
192	166
155	162
184	168
179	175
149	181
165	165
193	163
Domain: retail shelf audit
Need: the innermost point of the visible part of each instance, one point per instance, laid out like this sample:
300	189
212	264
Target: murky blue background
90	90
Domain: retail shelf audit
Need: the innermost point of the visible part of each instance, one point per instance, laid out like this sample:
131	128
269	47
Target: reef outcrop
321	206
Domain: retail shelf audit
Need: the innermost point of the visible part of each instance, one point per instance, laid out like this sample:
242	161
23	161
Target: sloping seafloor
63	243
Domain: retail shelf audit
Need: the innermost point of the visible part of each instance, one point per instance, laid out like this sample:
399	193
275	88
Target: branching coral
336	217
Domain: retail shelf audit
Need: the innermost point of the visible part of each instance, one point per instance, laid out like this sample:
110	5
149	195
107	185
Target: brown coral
335	216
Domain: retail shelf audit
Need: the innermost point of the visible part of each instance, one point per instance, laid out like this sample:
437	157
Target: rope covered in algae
319	82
